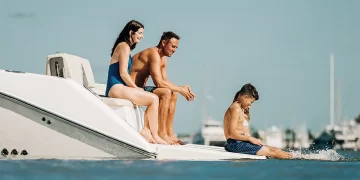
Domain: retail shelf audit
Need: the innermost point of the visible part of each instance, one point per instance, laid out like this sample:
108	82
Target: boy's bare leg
273	152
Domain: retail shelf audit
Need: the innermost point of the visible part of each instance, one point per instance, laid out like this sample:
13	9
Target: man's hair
247	89
167	36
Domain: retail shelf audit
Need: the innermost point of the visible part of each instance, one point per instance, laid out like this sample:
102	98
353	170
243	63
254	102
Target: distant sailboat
339	135
211	131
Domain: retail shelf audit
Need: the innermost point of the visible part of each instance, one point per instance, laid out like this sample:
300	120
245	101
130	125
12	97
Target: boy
236	127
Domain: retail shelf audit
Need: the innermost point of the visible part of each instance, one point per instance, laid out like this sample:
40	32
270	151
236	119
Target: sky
282	47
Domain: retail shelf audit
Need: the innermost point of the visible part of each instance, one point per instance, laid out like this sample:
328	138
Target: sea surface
326	164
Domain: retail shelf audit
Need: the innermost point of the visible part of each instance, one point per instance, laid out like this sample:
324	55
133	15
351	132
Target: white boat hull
43	134
40	142
52	117
199	152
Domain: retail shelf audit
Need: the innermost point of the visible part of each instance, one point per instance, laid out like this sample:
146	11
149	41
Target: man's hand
186	92
191	93
256	141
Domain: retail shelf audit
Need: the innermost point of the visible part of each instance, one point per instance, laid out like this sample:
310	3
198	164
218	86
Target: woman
120	85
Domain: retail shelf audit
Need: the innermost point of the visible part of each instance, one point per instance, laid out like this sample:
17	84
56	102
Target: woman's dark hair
124	35
247	89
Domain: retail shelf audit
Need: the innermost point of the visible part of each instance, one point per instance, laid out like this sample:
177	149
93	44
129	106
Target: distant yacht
273	136
346	135
211	133
341	135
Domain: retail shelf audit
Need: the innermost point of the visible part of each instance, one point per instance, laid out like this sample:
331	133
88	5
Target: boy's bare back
234	113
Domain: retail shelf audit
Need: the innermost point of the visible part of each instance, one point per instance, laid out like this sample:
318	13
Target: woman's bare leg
145	132
145	99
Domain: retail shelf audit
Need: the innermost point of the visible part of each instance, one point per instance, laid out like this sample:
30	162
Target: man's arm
156	74
164	74
165	78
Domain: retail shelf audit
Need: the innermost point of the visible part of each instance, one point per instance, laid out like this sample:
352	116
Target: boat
346	135
273	136
324	141
211	133
64	114
343	135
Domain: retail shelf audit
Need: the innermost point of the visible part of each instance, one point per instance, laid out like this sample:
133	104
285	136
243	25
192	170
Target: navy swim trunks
244	147
150	88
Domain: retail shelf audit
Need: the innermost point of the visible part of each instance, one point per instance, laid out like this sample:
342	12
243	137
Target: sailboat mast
332	85
205	93
338	102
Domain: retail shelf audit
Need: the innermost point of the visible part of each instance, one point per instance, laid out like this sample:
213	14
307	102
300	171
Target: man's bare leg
273	152
170	119
164	95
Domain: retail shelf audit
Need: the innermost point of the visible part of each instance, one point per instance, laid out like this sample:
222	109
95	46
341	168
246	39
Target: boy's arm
247	130
235	114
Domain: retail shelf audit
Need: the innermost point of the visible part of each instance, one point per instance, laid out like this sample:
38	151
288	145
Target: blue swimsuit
114	76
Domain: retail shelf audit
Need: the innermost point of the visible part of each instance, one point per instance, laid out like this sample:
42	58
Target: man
152	61
236	127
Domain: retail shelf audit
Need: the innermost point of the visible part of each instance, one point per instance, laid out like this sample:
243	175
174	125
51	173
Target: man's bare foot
158	140
166	138
145	132
176	140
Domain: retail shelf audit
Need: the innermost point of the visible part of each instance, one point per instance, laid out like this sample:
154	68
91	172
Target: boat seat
76	68
127	110
117	102
73	67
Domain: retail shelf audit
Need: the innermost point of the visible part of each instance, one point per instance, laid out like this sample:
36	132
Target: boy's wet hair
167	36
247	89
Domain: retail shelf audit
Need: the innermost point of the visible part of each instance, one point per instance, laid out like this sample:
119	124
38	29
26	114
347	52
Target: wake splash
327	155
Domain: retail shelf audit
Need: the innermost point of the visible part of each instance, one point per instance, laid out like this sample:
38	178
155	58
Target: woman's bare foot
176	140
158	140
145	132
167	139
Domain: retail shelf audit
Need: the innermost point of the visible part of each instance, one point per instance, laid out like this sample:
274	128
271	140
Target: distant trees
311	136
290	137
254	133
357	119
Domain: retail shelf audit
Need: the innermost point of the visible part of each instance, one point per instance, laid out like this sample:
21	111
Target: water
328	164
